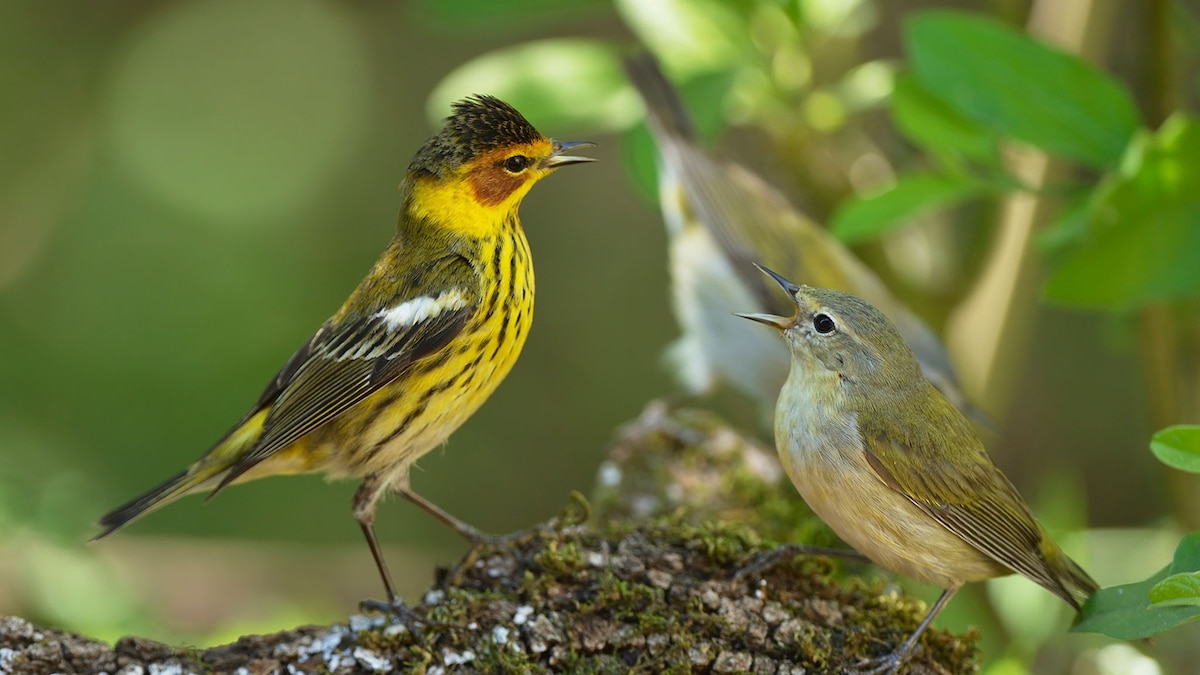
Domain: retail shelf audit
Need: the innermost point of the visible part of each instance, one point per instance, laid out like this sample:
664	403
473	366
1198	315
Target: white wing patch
411	312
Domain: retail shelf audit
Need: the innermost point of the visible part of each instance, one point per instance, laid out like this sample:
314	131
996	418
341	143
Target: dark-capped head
476	126
490	144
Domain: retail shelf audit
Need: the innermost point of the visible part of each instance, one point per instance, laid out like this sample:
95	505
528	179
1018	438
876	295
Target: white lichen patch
168	669
326	647
457	658
610	475
434	597
500	635
361	622
522	614
372	660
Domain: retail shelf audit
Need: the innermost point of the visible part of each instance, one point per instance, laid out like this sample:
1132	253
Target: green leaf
1127	612
1070	225
912	195
1020	87
690	36
1178	447
931	123
563	84
1177	590
640	158
1144	236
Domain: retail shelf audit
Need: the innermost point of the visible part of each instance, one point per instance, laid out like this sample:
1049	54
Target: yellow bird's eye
516	163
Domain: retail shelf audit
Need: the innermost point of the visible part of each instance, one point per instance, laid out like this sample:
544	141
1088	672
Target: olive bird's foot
785	552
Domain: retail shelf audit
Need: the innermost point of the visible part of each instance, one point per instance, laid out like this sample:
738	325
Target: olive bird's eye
823	323
516	163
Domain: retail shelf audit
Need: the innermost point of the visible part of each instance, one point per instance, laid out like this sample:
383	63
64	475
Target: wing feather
966	493
344	363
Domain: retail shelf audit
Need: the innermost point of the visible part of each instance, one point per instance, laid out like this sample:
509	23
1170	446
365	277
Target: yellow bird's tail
205	474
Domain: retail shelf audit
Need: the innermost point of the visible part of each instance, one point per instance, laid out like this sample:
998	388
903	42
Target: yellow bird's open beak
557	158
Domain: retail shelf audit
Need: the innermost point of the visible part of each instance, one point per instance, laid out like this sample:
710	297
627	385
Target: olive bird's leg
890	664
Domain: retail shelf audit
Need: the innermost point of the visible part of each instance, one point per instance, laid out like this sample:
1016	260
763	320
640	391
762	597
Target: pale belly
844	491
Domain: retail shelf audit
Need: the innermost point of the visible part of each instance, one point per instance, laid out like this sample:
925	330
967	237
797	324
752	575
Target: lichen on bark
656	593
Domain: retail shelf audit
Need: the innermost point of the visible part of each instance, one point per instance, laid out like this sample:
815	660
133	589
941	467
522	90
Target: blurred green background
188	189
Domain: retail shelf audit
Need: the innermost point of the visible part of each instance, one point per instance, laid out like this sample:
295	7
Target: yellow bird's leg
506	544
366	499
478	540
890	664
474	536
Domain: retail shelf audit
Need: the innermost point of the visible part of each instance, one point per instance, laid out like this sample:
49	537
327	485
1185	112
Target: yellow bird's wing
965	492
345	362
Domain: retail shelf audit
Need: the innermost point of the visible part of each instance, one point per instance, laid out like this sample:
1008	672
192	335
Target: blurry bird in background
721	218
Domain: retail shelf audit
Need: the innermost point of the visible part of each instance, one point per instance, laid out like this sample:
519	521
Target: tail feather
1078	582
183	483
1064	577
663	106
205	474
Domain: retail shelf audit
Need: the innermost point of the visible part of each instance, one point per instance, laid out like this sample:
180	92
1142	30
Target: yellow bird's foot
513	546
410	618
886	665
785	552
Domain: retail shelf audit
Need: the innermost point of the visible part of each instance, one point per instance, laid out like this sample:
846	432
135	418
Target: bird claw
407	616
510	545
885	665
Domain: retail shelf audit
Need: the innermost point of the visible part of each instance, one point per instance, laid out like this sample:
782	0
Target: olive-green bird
891	466
422	342
721	218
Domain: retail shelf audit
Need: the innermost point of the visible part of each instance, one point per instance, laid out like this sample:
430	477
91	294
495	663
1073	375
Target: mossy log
657	594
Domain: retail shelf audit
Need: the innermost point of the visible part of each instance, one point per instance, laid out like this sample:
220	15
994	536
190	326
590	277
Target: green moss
692	459
646	589
659	598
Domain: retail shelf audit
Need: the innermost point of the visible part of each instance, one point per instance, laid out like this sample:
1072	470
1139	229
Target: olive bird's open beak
792	289
779	322
557	158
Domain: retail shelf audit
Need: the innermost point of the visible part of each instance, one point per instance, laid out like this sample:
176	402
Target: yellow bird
892	467
721	218
422	342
